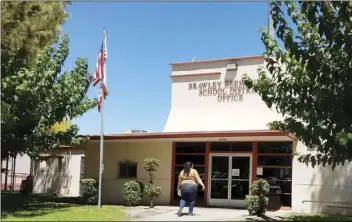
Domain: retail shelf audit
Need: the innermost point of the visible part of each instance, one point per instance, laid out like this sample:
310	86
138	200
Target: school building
221	126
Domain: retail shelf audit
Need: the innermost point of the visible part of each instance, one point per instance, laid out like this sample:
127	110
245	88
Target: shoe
179	212
192	214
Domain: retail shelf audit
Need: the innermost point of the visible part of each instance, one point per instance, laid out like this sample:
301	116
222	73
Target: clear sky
143	38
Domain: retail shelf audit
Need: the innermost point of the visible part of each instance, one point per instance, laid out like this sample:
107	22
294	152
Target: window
275	165
82	166
231	146
127	170
59	163
193	152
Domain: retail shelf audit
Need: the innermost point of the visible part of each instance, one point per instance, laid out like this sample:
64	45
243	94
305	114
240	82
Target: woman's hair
187	168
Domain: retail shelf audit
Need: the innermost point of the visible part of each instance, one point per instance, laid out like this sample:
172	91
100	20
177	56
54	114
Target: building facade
59	172
221	126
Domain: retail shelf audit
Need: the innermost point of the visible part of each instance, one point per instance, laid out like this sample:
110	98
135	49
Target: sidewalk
202	214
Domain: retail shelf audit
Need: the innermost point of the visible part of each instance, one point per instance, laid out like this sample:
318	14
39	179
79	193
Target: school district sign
224	91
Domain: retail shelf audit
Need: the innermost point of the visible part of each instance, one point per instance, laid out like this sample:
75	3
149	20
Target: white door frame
228	202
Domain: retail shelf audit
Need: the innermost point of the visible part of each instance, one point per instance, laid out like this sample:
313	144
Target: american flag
100	71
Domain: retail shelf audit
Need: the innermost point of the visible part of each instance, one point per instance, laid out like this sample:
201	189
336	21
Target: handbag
179	192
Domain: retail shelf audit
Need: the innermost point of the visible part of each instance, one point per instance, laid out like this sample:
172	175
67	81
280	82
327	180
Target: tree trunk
6	173
151	203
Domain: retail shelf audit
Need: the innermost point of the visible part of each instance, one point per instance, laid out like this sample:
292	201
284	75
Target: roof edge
217	60
194	134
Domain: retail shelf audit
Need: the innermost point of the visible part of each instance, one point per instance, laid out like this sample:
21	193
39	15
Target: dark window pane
280	181
219	189
274	161
190	147
277	200
231	146
279	173
275	147
241	163
220	146
195	159
220	167
127	170
239	189
132	170
123	170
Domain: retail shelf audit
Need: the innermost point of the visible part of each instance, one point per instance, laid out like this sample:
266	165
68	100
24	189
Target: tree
38	98
26	29
310	81
150	165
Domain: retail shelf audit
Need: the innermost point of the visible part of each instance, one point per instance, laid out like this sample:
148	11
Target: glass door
229	179
240	179
219	180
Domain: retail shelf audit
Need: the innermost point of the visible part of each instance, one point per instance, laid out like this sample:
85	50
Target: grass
297	217
318	217
18	207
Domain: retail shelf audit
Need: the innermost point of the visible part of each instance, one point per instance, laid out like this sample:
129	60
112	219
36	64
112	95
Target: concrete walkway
168	213
202	214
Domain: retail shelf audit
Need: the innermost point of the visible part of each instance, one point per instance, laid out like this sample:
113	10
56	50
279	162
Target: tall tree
38	98
27	28
310	81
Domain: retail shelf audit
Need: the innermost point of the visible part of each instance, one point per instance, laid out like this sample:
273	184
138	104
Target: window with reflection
189	152
231	146
275	160
195	159
274	164
190	147
275	147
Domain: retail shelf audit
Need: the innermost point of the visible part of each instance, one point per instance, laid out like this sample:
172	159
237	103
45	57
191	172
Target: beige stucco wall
313	190
191	112
321	189
48	180
134	151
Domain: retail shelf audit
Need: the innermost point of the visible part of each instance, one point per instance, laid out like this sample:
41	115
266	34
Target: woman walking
187	183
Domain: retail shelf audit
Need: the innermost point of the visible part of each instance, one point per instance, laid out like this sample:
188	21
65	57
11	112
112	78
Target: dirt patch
144	211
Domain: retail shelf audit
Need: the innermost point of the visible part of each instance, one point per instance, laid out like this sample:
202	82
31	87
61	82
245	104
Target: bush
257	203
152	191
27	185
133	192
151	165
89	190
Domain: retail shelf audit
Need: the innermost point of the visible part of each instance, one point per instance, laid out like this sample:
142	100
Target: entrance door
229	179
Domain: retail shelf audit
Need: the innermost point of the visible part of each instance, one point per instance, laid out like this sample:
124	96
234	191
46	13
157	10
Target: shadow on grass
19	205
318	217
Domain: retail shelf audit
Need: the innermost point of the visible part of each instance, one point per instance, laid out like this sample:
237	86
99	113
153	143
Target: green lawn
296	217
20	207
318	217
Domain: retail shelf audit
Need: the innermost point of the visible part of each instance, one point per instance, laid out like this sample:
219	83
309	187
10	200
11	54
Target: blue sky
142	39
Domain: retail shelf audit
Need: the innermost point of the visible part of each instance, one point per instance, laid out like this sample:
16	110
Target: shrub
89	190
257	203
152	191
133	192
150	165
27	185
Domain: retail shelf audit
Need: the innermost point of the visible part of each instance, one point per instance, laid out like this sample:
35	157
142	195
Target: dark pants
188	194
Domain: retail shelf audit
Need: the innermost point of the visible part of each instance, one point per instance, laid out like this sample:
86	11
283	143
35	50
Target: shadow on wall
55	179
333	194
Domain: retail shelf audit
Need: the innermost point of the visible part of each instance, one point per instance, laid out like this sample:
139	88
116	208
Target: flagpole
101	165
271	30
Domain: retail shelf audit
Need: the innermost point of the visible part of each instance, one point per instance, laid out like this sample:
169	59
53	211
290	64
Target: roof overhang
243	135
218	60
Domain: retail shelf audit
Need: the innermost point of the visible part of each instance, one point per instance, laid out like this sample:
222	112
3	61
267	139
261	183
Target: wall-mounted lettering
225	91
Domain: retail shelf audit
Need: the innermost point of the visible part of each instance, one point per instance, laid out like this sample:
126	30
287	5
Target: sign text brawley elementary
225	91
